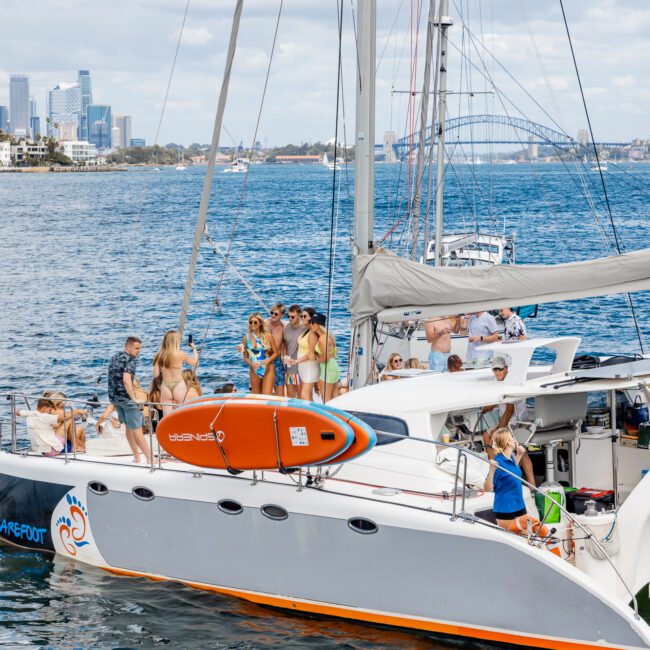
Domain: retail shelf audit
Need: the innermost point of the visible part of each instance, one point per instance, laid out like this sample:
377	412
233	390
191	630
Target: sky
129	45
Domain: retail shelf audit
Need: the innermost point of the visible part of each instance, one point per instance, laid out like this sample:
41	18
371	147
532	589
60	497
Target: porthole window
230	507
97	487
143	493
363	526
277	513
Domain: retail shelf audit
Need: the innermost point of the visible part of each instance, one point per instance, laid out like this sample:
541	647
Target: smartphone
190	339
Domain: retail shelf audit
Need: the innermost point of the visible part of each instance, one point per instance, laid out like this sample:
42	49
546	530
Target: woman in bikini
168	363
326	352
308	367
260	351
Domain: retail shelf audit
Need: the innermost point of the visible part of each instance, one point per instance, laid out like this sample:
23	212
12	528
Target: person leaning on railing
509	507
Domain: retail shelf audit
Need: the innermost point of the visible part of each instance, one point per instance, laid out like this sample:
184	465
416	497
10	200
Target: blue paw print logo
73	526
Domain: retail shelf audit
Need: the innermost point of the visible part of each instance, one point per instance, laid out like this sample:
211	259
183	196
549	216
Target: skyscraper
19	104
4	119
86	100
34	119
65	106
99	125
123	122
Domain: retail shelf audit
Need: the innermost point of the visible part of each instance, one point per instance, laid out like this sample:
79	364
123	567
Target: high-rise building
99	125
4	119
19	104
116	138
123	123
86	100
34	119
64	106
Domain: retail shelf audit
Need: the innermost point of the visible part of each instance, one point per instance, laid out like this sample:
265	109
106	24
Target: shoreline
43	170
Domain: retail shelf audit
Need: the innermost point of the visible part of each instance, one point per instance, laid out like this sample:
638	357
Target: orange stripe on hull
383	619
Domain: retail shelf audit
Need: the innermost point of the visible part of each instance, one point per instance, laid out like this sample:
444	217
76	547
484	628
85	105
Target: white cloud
192	36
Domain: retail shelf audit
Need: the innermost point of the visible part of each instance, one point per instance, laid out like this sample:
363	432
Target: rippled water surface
86	259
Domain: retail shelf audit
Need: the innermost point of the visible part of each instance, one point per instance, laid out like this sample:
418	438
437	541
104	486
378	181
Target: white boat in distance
337	164
238	166
602	165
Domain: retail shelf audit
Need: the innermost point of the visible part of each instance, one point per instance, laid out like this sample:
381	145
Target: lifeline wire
600	171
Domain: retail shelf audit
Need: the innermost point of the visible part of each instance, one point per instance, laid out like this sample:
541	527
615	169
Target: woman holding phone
168	363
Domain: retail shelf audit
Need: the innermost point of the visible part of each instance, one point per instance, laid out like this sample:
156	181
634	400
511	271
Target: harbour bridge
499	129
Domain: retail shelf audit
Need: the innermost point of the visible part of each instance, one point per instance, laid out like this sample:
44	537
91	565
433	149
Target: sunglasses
497	369
253	321
305	316
275	313
292	316
397	361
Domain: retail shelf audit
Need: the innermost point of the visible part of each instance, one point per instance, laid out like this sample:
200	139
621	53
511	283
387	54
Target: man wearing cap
509	413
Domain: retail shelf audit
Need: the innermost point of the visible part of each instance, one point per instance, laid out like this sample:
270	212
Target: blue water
86	259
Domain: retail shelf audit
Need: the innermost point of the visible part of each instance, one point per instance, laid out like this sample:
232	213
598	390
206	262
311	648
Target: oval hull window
143	493
230	507
97	487
277	513
363	526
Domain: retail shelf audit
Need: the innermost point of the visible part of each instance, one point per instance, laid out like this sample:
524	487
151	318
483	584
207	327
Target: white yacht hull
419	570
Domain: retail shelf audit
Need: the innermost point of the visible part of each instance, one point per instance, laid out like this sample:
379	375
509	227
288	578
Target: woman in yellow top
260	350
168	363
308	368
330	373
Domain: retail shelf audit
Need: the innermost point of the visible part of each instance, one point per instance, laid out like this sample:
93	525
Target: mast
443	23
364	170
207	182
424	113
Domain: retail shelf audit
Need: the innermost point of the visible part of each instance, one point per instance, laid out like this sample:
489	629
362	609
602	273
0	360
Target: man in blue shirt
121	394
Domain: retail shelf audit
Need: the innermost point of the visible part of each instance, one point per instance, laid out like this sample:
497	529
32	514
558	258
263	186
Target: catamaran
403	534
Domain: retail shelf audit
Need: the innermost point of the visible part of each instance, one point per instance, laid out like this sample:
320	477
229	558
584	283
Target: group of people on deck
292	358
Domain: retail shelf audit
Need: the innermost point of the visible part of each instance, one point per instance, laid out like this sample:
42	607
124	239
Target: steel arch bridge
497	129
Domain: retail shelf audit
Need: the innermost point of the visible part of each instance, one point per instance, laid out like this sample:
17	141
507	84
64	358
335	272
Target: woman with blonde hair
168	363
394	363
326	352
192	382
414	363
260	350
63	430
308	367
504	478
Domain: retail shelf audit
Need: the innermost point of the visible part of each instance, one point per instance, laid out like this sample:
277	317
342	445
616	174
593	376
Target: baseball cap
319	319
499	362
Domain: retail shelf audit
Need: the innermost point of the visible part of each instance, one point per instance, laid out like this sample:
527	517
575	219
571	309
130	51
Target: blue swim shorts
129	414
279	372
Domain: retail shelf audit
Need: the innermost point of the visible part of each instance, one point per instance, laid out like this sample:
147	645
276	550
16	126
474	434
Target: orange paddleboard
240	434
365	437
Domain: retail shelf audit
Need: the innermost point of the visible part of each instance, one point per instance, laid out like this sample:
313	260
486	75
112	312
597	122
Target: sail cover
395	289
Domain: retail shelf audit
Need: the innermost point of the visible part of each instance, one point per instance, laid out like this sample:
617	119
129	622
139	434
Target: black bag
585	361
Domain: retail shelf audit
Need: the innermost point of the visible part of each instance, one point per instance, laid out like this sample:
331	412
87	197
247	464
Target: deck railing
458	494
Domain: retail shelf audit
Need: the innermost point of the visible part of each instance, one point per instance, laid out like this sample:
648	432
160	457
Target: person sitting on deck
41	428
194	389
508	413
504	478
63	430
454	363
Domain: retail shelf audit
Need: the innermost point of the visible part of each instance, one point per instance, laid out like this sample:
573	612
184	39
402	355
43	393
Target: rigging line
333	214
216	303
600	171
390	33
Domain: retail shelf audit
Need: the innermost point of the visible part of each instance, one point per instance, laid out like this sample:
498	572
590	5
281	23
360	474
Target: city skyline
130	68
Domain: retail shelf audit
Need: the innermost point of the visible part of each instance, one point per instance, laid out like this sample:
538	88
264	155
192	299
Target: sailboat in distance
403	535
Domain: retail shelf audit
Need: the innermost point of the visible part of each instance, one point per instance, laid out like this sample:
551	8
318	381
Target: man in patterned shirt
515	329
121	393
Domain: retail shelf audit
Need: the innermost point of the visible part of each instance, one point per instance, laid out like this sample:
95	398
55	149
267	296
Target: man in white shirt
40	427
515	328
482	329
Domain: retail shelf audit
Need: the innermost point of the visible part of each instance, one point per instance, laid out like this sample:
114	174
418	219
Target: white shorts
309	372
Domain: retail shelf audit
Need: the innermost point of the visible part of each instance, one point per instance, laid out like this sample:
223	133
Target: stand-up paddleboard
365	437
241	434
